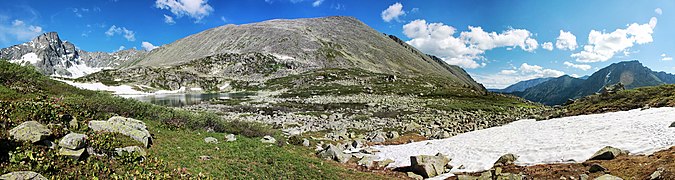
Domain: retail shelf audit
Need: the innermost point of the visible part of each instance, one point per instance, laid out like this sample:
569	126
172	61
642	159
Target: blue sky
497	42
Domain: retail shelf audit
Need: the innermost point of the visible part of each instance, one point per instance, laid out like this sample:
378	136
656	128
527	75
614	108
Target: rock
583	177
596	168
657	175
506	159
415	176
428	166
377	138
608	177
131	150
31	131
367	161
73	141
467	177
230	138
211	140
268	139
357	144
305	143
369	150
672	125
608	153
74	154
127	126
385	163
73	124
332	152
205	158
50	144
23	175
393	135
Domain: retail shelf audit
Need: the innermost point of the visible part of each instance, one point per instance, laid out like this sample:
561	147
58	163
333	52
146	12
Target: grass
654	96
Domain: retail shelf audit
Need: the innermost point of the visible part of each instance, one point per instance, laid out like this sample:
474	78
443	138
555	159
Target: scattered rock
31	131
230	138
506	159
596	168
268	139
74	154
23	175
657	175
415	176
429	166
608	177
73	141
127	126
131	150
332	152
305	143
211	140
608	153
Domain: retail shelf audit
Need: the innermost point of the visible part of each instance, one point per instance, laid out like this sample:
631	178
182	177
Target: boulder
23	175
657	175
127	126
429	166
367	161
211	140
672	125
414	176
596	168
393	135
378	137
31	131
131	150
608	153
230	138
384	163
268	139
74	154
305	142
506	159
333	152
608	177
73	141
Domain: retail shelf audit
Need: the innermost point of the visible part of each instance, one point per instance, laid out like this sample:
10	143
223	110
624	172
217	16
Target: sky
498	42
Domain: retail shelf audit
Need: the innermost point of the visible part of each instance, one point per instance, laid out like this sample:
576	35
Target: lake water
180	100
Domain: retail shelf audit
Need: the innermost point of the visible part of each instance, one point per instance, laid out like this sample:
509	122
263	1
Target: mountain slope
630	73
52	56
522	85
279	48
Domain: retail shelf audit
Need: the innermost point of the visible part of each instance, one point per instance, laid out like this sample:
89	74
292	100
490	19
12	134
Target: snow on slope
31	58
122	90
568	139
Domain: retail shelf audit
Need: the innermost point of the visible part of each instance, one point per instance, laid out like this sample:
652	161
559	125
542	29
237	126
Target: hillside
552	92
522	85
644	97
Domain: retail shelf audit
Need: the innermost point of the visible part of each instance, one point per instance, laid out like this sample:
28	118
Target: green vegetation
653	96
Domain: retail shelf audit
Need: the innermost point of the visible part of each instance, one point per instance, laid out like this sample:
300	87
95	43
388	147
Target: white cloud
197	9
658	11
511	76
17	30
602	46
437	39
665	57
222	18
547	46
148	46
128	34
584	67
566	41
317	3
169	20
393	12
121	48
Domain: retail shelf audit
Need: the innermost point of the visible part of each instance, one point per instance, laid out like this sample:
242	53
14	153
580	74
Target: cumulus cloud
196	9
665	57
169	20
317	3
393	12
602	46
584	67
17	30
148	46
566	41
128	34
466	49
547	46
511	76
658	11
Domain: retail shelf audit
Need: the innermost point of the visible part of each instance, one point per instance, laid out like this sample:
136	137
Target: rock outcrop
608	153
429	166
127	126
23	175
31	131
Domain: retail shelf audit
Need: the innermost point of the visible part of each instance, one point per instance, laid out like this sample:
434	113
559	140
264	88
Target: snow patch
122	90
568	139
31	58
283	57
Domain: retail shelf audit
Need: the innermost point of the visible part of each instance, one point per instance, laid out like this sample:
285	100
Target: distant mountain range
558	90
55	57
522	85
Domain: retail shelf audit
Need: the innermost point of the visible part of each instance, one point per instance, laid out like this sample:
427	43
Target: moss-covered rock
31	131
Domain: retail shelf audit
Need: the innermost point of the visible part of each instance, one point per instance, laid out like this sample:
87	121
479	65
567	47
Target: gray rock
393	135
127	126
211	140
428	166
31	131
657	175
608	177
268	139
74	154
608	153
412	175
23	175
230	138
596	168
332	152
672	125
384	163
506	159
377	138
305	143
367	161
131	150
583	177
205	158
73	141
357	144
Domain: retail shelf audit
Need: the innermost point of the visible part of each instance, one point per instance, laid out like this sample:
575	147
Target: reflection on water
180	100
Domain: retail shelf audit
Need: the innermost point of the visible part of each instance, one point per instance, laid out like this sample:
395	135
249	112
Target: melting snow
31	58
122	90
552	141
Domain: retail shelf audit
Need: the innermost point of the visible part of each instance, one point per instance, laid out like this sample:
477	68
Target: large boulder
506	159
31	131
73	141
23	175
130	127
333	152
429	166
608	153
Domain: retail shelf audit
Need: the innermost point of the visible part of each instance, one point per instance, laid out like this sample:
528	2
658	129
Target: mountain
522	85
632	74
52	56
272	49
